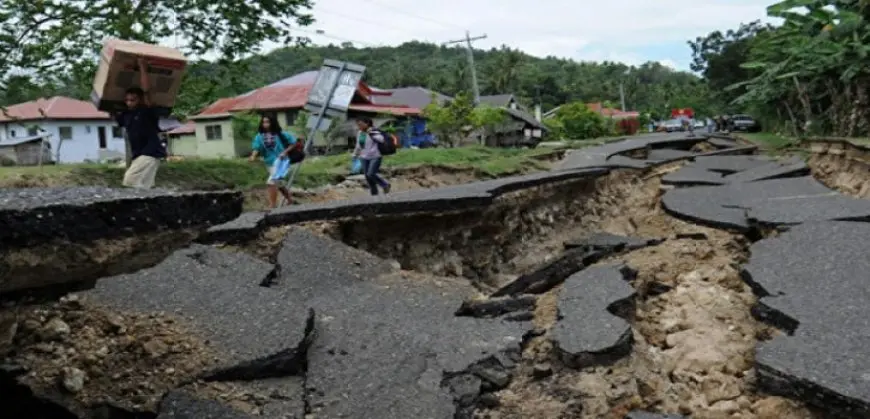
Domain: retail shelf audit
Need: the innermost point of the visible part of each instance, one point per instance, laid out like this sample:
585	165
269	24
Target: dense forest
650	87
807	76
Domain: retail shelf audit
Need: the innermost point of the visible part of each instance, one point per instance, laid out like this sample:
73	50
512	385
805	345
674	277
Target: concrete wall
84	143
183	145
223	148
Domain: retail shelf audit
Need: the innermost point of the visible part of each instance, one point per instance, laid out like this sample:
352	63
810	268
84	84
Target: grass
241	174
768	141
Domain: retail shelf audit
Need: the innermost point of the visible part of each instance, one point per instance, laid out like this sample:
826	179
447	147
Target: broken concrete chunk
610	242
218	292
587	333
179	404
811	269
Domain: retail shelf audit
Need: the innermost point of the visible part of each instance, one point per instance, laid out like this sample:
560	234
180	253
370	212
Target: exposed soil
847	171
99	357
694	344
693	350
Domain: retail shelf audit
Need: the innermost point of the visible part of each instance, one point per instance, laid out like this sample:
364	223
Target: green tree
576	121
451	120
488	119
46	36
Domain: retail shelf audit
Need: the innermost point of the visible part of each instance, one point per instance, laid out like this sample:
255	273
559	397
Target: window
88	129
12	133
32	131
213	132
65	133
117	132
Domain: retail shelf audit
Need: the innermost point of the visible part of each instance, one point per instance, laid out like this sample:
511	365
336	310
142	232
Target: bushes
575	121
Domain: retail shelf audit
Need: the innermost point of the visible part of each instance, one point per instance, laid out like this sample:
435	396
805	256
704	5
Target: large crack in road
581	293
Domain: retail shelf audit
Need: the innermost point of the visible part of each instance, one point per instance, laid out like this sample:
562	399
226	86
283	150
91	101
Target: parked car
743	123
673	125
699	123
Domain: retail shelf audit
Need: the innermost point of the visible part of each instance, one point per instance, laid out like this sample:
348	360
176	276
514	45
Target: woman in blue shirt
272	144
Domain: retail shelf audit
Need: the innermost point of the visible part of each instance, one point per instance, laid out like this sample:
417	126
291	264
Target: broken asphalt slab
815	275
594	306
82	214
600	156
450	198
773	202
610	242
219	294
388	346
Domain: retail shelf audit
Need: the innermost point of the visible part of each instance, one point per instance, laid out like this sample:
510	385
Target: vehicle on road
743	123
699	123
673	125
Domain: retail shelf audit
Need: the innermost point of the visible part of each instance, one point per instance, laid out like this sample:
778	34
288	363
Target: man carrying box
142	124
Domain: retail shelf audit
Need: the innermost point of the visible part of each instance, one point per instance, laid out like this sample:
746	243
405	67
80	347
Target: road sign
323	126
334	88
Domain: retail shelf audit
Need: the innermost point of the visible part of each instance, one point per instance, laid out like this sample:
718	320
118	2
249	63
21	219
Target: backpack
390	144
297	153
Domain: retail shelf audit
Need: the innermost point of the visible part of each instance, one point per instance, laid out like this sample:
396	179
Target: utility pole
468	47
622	94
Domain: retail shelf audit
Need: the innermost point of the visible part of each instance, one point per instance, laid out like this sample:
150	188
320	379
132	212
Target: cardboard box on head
119	71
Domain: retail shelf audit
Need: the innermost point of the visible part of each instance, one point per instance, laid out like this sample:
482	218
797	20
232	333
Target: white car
699	124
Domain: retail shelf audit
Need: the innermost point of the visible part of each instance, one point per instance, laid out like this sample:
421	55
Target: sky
628	31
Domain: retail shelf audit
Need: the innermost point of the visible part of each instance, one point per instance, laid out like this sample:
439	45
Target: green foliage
808	76
576	121
488	119
49	37
300	124
450	121
245	125
648	87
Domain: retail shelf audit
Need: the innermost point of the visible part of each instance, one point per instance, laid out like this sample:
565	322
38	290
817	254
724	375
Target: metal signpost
330	95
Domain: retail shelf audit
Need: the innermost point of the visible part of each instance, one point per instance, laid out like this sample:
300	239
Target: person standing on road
367	151
273	145
141	121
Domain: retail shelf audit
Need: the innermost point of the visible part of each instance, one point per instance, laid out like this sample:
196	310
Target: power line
320	32
357	19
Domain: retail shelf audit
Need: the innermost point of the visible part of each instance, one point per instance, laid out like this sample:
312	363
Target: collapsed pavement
321	328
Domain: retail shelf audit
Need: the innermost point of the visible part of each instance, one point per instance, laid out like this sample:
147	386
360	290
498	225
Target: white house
77	131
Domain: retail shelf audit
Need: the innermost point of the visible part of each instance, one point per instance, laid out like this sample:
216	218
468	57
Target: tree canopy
46	38
807	76
650	87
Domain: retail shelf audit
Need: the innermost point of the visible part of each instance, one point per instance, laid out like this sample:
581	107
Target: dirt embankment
841	166
694	344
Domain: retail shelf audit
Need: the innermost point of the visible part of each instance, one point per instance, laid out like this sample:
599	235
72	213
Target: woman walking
367	151
273	145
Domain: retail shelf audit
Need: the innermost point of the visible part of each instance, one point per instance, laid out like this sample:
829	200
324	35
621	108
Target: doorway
101	133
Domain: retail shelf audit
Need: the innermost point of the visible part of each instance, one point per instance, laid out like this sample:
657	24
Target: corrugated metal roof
16	141
414	96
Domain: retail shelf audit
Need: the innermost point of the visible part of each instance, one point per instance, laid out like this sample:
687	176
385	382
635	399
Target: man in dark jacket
141	122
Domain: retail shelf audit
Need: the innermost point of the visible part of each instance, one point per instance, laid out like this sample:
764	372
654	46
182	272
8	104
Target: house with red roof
211	133
74	130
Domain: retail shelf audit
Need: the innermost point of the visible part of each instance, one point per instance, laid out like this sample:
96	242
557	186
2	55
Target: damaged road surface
619	286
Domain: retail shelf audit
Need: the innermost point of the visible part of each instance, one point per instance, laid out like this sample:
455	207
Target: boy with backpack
371	146
279	150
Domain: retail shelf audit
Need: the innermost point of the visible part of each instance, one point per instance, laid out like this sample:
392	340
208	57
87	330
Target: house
508	101
25	151
77	131
284	100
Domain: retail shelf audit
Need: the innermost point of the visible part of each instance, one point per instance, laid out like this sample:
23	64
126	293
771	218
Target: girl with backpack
275	145
371	146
